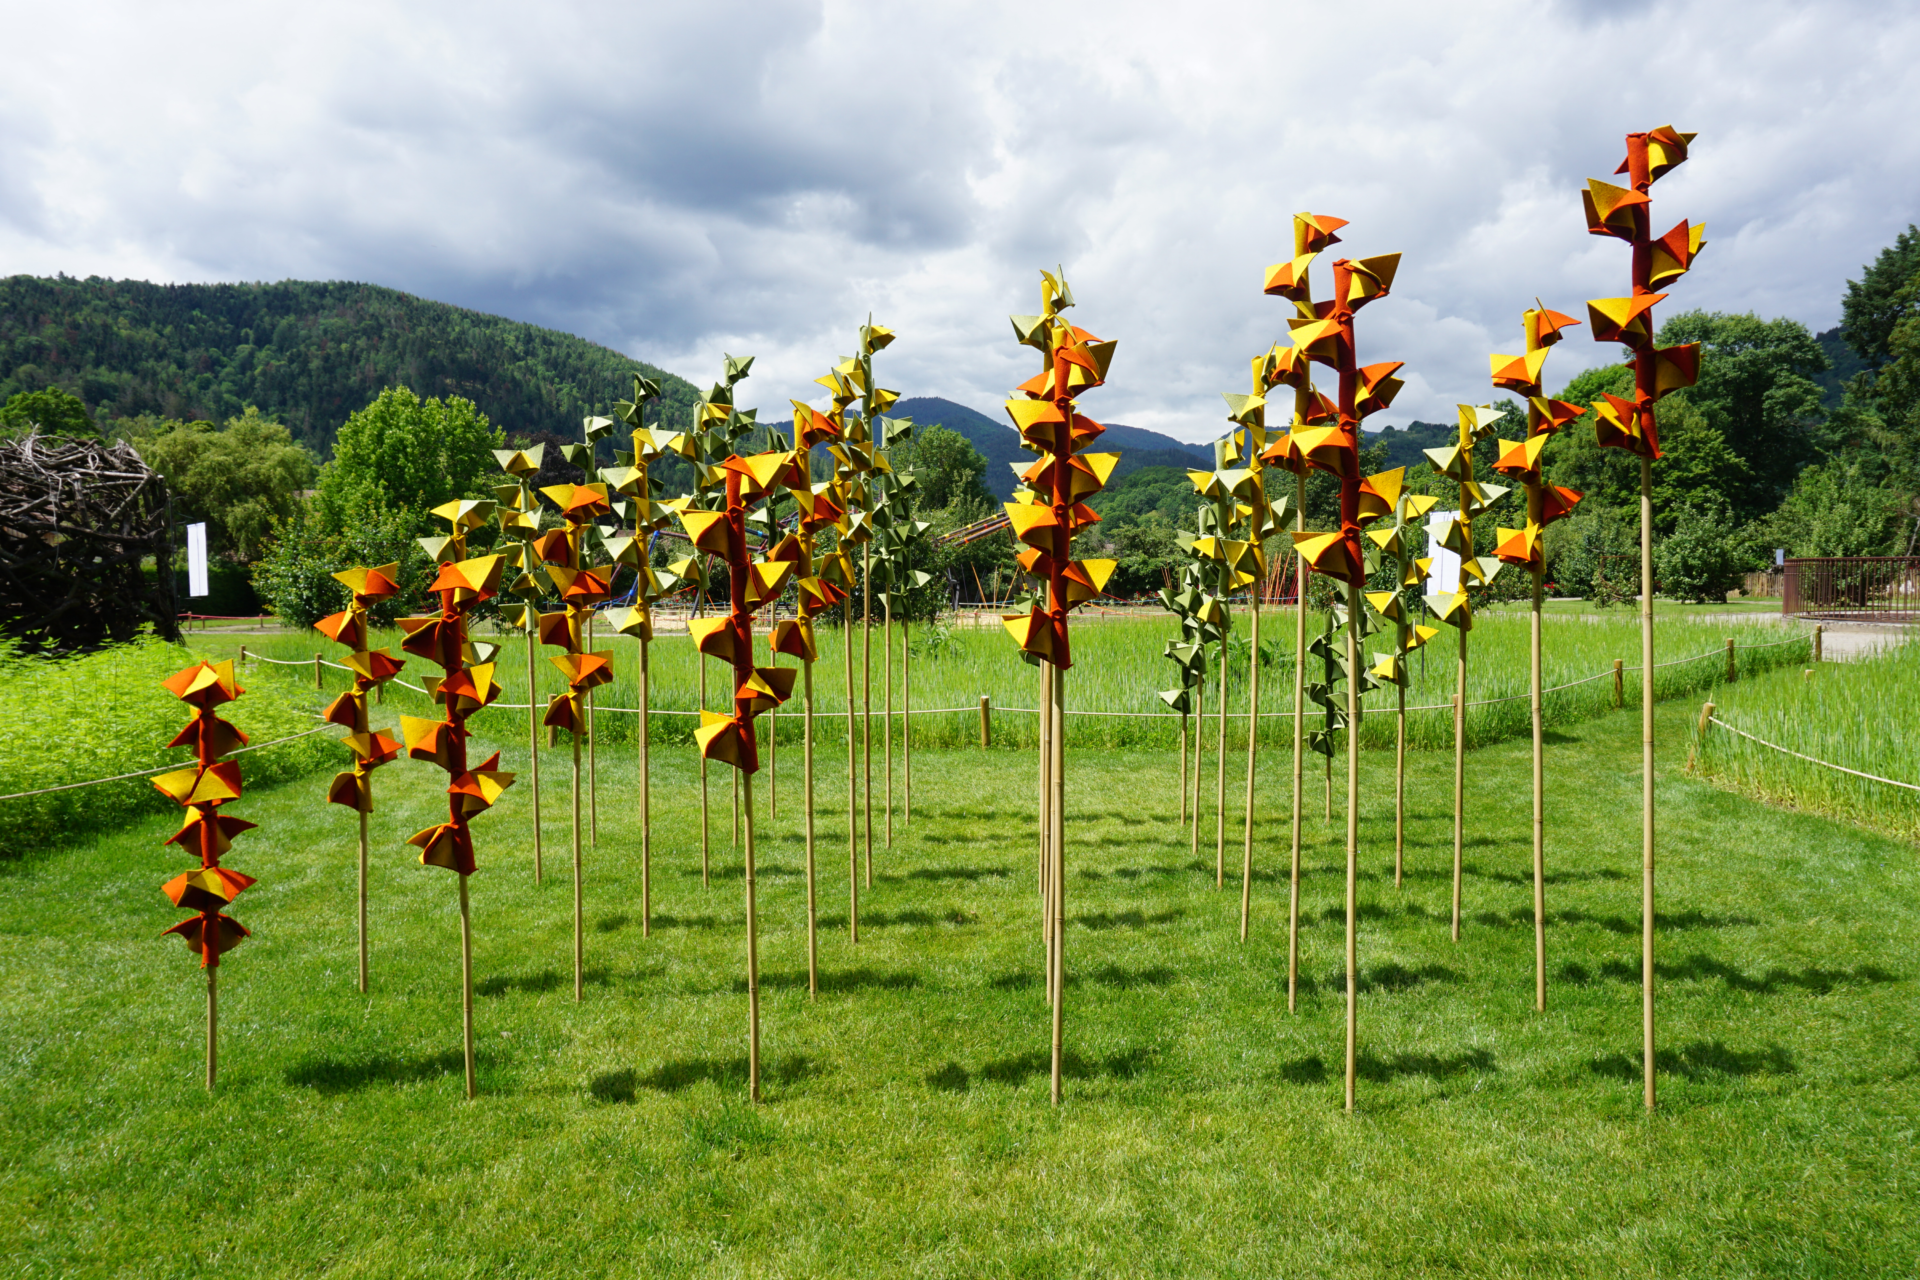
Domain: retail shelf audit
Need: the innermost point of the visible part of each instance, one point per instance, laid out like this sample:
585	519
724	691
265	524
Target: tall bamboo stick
1539	803
866	712
887	718
1253	730
646	799
363	901
593	752
533	751
1199	756
853	785
1059	713
813	948
906	714
1459	775
213	1027
1353	837
579	934
1220	779
466	985
753	949
1299	737
1646	779
705	856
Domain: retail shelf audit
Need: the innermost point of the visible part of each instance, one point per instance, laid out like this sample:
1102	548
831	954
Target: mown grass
1860	715
906	1130
1118	668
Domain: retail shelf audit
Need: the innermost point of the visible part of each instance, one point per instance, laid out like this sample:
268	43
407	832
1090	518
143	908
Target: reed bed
1858	715
1117	672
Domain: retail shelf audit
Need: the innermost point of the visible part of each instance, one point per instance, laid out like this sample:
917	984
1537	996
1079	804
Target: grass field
1119	667
1860	715
907	1131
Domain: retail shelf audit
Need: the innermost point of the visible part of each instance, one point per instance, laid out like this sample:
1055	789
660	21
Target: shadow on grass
537	983
862	979
969	874
682	1074
334	1075
661	920
1128	919
1701	968
1128	1064
1108	975
1313	1069
893	919
1630	928
1701	1060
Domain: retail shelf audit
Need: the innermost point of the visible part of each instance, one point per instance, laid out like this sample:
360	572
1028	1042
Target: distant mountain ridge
999	443
307	353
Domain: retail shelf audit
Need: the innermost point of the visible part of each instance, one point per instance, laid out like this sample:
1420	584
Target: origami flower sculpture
371	748
1626	213
518	512
730	739
1326	336
1520	459
467	685
1046	516
205	832
1293	367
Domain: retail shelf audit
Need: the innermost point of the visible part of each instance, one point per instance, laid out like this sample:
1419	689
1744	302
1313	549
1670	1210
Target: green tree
295	576
405	454
1879	300
52	410
1697	462
239	478
1756	389
1835	510
1705	556
949	470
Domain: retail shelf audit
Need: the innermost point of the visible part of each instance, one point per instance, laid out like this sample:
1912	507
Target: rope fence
1824	764
161	768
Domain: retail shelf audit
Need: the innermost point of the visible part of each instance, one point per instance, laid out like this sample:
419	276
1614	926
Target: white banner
197	559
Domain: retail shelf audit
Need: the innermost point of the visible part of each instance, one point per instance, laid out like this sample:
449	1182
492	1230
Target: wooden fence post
1700	734
986	723
317	682
1733	671
1619	685
243	655
1818	636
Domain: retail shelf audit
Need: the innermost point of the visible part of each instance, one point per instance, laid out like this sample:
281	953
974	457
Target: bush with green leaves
1705	556
101	714
295	576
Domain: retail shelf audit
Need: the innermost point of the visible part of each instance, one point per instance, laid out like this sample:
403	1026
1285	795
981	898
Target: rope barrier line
1825	764
178	764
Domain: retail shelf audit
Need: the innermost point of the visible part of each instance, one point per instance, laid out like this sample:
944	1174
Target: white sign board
1443	576
197	559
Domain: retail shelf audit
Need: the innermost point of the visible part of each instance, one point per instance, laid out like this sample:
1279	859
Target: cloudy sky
679	180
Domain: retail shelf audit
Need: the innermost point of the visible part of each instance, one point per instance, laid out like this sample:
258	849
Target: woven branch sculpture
205	832
1626	213
371	748
1046	516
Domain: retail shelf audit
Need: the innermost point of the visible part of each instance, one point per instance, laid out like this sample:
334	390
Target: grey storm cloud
682	180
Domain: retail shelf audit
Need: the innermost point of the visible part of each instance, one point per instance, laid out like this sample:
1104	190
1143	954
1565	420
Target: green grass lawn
906	1130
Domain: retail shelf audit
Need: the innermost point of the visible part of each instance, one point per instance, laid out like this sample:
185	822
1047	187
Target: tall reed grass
1117	668
1860	715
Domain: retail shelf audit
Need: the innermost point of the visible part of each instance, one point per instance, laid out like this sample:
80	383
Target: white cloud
756	177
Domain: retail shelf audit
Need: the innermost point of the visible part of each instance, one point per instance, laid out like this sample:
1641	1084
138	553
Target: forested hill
307	353
999	444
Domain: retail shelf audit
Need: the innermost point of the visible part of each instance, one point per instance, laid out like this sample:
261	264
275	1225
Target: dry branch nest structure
78	519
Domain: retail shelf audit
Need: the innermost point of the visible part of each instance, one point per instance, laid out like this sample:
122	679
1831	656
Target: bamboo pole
1299	738
646	799
753	949
1539	803
1646	779
1459	775
579	937
906	714
593	753
886	727
533	752
1400	778
466	983
866	711
1353	837
853	785
213	1024
1183	768
773	755
705	858
1220	781
1253	731
813	948
1199	756
363	901
1059	711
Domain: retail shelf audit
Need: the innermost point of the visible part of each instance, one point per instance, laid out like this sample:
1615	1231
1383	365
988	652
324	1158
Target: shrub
1705	556
295	576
